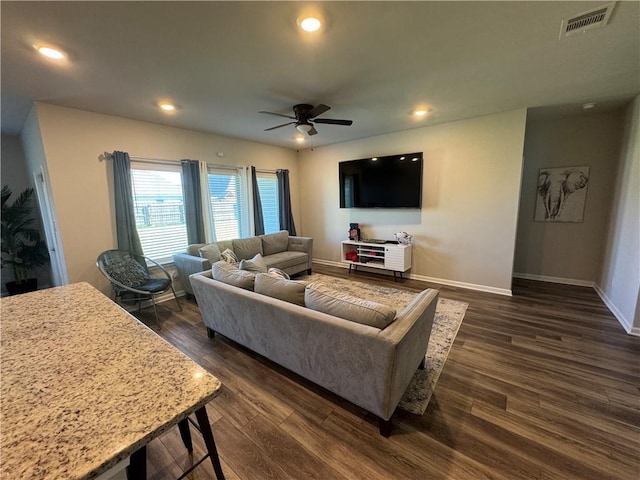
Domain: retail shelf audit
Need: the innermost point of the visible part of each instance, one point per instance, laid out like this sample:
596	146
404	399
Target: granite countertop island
84	384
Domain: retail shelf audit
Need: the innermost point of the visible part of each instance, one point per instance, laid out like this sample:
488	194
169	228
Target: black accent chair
132	280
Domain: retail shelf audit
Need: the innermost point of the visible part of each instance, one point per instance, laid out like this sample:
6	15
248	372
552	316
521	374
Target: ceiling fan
305	117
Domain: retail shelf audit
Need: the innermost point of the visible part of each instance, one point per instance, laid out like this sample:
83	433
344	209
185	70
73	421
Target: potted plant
22	248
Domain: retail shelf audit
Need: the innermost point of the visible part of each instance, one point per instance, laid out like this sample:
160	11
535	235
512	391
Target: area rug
447	321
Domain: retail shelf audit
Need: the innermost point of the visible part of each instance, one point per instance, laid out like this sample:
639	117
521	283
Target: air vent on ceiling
595	18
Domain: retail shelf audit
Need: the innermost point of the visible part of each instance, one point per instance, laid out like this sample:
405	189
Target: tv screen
394	181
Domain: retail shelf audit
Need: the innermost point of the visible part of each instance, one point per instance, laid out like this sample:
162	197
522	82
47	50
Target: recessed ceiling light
401	158
588	105
420	113
374	159
167	107
51	52
414	159
310	24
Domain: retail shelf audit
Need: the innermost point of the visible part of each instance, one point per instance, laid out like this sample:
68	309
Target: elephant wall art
561	194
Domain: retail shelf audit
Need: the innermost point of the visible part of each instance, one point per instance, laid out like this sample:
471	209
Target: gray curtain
191	191
284	200
258	218
127	232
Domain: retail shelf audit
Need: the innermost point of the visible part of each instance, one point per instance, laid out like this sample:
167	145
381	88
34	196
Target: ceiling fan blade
332	121
319	110
278	114
278	126
313	131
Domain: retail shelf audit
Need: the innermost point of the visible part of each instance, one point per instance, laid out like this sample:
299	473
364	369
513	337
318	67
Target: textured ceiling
222	62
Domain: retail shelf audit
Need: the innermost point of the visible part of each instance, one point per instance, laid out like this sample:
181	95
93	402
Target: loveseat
370	366
291	254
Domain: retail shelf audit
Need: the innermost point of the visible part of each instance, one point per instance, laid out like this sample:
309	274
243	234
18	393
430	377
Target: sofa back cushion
193	249
231	275
211	252
224	244
323	299
275	242
246	248
291	291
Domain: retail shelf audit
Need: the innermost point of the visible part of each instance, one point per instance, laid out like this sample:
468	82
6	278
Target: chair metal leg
155	310
176	297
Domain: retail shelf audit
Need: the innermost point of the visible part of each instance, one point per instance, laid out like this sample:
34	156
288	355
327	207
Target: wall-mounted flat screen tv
394	181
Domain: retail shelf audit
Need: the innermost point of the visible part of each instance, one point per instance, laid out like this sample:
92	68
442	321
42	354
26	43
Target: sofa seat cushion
275	242
255	265
231	275
211	252
291	291
324	299
284	260
246	248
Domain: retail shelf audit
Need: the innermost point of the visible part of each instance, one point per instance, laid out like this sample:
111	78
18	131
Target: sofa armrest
188	264
300	244
410	333
304	245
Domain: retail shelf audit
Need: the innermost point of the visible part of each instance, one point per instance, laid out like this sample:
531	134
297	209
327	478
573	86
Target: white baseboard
469	286
626	323
546	278
441	281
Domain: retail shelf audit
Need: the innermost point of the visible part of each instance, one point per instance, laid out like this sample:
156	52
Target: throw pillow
211	252
291	291
323	299
276	272
224	272
128	272
256	264
228	256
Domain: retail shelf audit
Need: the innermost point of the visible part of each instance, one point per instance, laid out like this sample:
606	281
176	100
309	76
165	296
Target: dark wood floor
541	385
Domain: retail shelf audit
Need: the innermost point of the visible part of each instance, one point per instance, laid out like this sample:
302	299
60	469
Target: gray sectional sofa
370	366
279	250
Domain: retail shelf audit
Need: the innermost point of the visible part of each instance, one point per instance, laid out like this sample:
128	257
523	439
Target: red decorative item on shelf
352	256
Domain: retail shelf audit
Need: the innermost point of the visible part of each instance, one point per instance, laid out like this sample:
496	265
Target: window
229	206
268	187
159	209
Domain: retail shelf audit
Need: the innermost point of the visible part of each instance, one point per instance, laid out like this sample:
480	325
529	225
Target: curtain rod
109	156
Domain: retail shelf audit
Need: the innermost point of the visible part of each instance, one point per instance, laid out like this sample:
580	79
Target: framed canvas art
561	194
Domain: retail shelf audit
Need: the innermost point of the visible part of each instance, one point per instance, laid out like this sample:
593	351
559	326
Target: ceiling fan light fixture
304	127
299	138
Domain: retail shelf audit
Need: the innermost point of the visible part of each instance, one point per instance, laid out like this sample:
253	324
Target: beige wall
570	252
80	182
619	282
465	232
